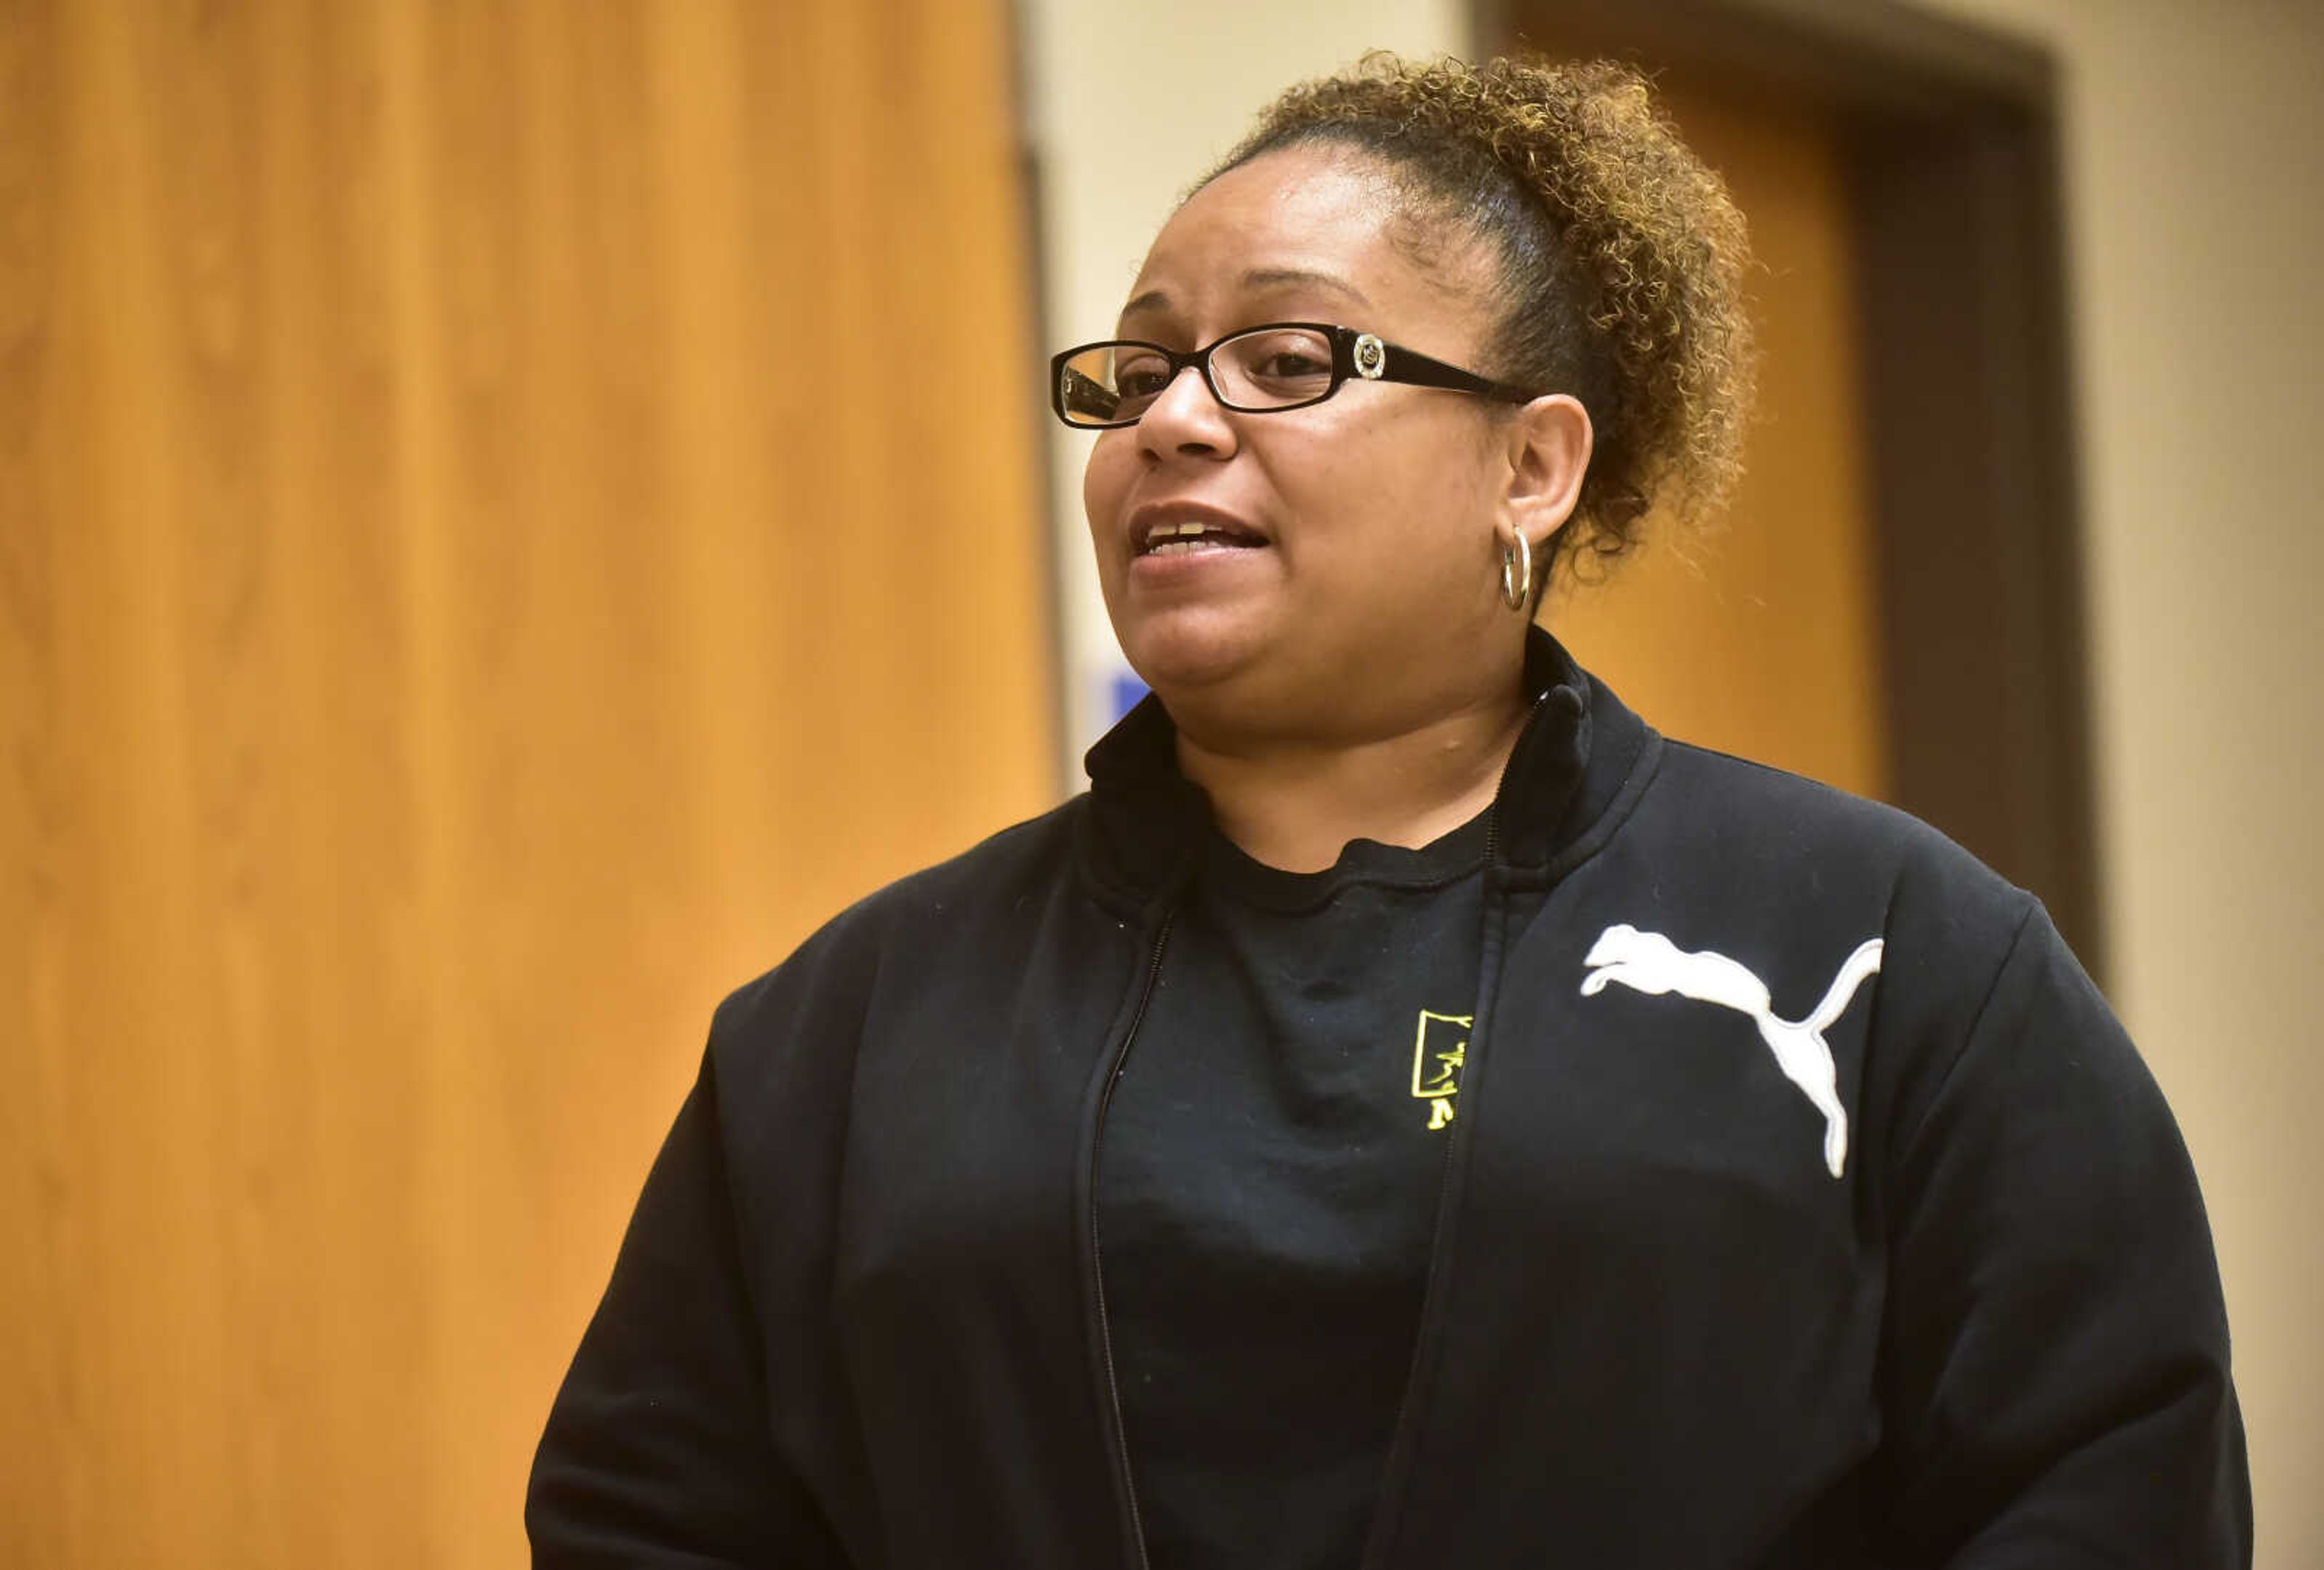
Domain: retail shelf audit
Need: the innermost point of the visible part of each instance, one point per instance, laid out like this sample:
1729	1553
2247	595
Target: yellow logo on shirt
1439	1046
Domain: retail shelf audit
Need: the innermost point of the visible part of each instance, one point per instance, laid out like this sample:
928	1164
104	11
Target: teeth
1180	537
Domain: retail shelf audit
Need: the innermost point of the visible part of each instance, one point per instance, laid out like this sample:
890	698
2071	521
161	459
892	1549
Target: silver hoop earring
1517	572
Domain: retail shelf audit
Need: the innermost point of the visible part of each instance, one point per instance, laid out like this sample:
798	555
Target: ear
1548	450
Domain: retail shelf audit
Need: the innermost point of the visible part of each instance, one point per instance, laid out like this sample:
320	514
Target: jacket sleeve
657	1451
2056	1367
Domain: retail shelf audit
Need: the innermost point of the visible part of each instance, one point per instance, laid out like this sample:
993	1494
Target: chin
1182	656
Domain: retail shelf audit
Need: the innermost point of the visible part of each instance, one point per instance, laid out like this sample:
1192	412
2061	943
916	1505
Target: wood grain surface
511	513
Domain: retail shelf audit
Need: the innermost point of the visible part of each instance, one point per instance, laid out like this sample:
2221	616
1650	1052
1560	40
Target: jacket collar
1569	765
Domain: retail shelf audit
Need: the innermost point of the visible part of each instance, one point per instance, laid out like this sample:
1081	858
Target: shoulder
1966	956
1800	840
1791	878
839	967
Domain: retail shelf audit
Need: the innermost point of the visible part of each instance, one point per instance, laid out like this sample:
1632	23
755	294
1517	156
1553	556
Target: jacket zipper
1393	1481
1097	1260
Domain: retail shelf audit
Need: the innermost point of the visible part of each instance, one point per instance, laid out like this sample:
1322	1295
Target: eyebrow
1261	278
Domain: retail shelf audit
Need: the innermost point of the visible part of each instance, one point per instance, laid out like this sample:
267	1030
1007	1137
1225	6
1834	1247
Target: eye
1141	374
1273	365
1287	363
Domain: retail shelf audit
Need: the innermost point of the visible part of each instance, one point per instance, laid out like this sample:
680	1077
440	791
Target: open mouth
1182	539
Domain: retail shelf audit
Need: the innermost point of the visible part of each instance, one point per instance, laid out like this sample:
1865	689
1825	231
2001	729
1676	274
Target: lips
1166	530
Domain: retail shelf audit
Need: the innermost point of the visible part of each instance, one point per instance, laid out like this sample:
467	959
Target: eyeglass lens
1268	367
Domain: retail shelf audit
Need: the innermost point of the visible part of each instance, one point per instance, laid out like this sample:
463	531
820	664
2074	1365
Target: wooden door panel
469	594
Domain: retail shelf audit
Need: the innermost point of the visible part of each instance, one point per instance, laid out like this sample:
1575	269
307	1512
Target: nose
1186	419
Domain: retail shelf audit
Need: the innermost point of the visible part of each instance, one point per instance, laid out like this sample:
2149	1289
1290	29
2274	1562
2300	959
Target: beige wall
2194	154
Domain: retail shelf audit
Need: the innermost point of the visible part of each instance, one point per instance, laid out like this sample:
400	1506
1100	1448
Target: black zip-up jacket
859	1318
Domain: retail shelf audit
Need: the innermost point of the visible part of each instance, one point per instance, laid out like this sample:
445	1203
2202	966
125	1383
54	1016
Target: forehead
1297	224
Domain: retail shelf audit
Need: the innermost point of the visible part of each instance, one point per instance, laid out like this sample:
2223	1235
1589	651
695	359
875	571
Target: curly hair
1621	255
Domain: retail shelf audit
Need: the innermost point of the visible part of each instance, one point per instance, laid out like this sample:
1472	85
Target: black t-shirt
1267	1189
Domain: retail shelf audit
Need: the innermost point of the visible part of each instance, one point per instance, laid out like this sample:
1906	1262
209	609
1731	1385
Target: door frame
1949	139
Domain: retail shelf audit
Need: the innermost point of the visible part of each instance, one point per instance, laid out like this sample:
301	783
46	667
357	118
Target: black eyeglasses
1261	370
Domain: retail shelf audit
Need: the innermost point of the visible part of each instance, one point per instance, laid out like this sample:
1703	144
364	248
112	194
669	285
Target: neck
1296	804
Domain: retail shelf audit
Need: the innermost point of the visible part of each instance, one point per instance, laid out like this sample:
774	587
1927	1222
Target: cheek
1419	500
1105	478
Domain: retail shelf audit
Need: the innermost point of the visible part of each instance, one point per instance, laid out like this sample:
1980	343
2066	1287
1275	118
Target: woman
1407	1113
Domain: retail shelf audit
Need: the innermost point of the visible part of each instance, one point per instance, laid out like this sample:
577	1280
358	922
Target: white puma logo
1648	962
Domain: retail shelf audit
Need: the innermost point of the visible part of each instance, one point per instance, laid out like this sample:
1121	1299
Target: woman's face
1358	587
